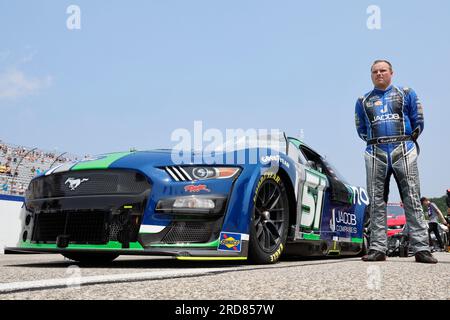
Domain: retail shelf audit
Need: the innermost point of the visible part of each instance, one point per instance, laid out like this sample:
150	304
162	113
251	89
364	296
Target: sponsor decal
75	183
359	195
196	188
267	159
387	140
386	117
378	103
230	241
342	221
276	255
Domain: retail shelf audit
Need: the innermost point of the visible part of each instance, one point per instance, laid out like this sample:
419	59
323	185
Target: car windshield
395	211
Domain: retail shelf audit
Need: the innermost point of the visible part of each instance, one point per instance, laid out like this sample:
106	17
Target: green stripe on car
102	163
111	245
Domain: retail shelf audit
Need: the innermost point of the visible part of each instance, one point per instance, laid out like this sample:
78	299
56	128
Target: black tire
366	233
365	245
91	258
270	220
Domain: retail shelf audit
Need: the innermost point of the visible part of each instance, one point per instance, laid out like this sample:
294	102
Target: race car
396	218
250	201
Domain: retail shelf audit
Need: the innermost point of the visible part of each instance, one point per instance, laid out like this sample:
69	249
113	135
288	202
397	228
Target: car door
311	186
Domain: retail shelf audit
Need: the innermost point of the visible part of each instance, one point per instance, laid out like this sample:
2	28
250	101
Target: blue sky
138	70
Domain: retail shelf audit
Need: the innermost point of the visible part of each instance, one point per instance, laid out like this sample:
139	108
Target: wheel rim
269	216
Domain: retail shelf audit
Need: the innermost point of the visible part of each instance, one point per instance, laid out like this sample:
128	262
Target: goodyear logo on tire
230	242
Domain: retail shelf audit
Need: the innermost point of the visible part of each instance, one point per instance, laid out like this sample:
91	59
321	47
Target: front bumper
207	251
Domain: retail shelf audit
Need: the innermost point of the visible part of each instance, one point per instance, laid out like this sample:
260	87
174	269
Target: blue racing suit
390	121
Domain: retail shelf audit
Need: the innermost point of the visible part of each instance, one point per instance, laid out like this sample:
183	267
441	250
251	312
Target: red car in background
396	218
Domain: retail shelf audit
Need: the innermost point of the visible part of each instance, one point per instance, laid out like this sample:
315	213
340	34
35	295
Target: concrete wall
10	225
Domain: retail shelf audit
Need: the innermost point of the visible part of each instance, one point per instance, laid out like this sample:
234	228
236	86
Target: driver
390	119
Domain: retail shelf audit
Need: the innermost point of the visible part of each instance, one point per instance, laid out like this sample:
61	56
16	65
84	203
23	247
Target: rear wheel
366	232
365	245
91	258
270	220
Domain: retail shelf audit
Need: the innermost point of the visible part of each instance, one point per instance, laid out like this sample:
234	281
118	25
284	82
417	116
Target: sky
127	74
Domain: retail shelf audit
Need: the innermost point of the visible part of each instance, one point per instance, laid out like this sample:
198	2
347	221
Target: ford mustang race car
279	199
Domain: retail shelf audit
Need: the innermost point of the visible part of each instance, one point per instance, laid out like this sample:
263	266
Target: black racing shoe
425	257
374	255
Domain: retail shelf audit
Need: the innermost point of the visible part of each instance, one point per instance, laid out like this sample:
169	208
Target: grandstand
18	165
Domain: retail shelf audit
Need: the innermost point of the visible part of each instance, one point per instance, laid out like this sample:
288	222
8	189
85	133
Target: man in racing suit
390	119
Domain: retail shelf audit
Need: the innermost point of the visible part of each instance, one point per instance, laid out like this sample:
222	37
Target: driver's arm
360	120
439	213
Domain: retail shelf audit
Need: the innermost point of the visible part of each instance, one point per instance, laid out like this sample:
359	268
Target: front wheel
270	220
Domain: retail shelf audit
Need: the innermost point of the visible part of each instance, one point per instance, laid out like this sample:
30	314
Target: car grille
124	227
86	227
108	206
80	227
191	232
92	182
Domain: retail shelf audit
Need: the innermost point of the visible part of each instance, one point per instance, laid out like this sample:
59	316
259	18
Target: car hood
145	161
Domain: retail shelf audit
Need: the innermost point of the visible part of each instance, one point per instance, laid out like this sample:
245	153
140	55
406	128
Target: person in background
448	219
448	202
434	215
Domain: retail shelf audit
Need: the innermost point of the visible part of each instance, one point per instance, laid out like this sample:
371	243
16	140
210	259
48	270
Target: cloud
15	83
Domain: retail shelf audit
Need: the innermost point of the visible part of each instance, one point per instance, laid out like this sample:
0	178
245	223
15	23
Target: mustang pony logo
74	183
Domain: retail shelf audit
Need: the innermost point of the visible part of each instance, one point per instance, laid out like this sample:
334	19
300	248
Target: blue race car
284	199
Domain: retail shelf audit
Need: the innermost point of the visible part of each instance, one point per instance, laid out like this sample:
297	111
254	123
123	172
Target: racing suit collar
383	91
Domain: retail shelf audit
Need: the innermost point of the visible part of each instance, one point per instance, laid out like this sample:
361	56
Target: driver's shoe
425	257
374	255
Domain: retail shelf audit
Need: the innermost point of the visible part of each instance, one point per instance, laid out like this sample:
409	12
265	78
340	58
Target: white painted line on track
141	276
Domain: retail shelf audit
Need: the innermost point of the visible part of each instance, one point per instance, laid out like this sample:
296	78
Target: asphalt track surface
46	276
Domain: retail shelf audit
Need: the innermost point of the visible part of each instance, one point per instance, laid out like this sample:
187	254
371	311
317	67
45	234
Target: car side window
313	160
301	157
295	152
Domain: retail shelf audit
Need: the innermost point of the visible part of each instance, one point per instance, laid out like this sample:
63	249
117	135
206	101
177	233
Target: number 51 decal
312	200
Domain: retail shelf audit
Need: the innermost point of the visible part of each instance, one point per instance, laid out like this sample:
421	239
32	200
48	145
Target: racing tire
366	233
91	258
365	245
270	220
